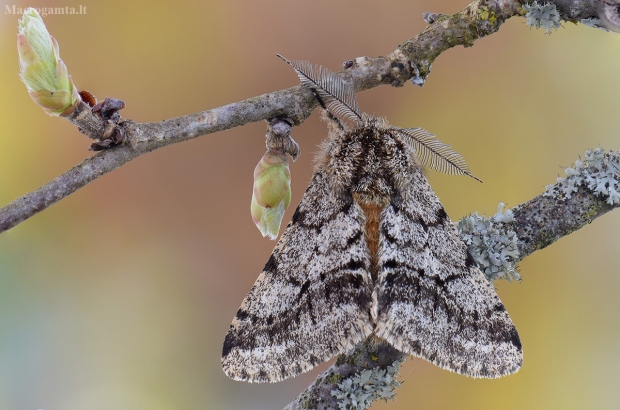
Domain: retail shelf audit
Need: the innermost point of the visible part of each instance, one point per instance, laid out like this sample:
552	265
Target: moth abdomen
372	213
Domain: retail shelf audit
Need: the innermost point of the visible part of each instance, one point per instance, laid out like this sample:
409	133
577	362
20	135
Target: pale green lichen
359	391
599	172
305	401
485	14
545	15
350	359
493	246
333	378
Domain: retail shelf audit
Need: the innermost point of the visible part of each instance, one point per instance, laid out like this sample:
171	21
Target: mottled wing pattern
312	301
433	302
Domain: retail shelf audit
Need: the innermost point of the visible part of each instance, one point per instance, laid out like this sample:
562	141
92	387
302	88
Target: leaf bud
271	193
40	67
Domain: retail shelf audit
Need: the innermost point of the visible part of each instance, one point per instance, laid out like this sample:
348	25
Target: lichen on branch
590	190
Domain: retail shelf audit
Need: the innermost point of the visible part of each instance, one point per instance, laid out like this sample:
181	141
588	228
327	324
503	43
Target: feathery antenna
434	154
329	88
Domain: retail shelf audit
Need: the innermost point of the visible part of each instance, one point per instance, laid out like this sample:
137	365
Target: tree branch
411	60
543	220
370	354
588	191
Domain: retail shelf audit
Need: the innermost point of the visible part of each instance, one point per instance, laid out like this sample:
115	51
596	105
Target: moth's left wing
433	301
313	299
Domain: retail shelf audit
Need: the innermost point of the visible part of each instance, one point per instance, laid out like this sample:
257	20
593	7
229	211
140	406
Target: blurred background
119	296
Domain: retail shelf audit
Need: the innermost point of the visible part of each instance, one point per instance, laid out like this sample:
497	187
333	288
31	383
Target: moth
370	250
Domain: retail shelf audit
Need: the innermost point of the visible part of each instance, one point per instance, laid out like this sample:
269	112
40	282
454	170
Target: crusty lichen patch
485	14
545	15
599	172
360	390
492	244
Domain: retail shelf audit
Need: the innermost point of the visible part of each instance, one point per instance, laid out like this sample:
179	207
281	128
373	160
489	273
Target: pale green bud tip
272	192
41	68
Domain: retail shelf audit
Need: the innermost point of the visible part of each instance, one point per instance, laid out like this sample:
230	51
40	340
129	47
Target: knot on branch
107	110
99	121
278	137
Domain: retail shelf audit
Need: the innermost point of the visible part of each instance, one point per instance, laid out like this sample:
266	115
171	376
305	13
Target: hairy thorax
372	164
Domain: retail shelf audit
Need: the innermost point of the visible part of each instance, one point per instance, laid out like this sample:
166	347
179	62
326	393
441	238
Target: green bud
272	192
41	68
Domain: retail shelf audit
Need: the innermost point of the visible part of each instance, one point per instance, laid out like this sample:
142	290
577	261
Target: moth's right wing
433	301
313	299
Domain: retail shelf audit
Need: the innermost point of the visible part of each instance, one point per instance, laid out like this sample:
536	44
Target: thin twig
411	60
